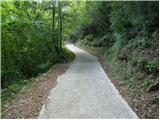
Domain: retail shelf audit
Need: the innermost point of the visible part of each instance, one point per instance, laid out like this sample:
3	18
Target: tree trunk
53	28
60	27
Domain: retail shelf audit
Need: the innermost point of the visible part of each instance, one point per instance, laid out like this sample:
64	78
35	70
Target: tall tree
60	26
53	27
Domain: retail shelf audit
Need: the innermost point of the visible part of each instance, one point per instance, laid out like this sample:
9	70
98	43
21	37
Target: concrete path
85	91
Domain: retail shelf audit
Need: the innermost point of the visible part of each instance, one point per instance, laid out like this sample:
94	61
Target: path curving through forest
85	91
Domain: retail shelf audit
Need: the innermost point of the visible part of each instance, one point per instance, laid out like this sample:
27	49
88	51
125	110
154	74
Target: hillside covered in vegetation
124	35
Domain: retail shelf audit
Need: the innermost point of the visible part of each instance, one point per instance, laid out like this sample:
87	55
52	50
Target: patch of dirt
29	102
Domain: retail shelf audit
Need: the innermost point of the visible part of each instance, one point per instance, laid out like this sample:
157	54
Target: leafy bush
105	41
143	43
108	40
150	67
73	38
89	38
142	64
44	67
66	56
29	40
153	66
148	82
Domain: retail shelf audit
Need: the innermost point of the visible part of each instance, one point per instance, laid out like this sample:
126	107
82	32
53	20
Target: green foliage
32	34
23	43
44	67
88	38
74	19
141	64
148	82
31	43
153	66
107	40
13	88
128	33
67	55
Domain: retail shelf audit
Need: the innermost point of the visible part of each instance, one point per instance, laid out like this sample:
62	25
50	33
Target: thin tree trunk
60	27
53	29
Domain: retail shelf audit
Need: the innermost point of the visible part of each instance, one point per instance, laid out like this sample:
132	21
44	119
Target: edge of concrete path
110	82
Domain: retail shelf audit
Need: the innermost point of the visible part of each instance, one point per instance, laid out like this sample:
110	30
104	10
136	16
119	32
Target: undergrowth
15	86
135	66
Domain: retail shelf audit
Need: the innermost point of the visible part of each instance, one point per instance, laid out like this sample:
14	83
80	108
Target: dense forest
124	34
31	42
28	46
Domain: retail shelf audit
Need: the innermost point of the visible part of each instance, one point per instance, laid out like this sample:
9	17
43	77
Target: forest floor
143	109
28	103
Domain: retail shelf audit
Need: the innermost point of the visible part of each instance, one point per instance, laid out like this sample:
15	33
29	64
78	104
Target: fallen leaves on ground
29	102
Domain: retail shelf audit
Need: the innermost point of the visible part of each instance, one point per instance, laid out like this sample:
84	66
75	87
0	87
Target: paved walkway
85	91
